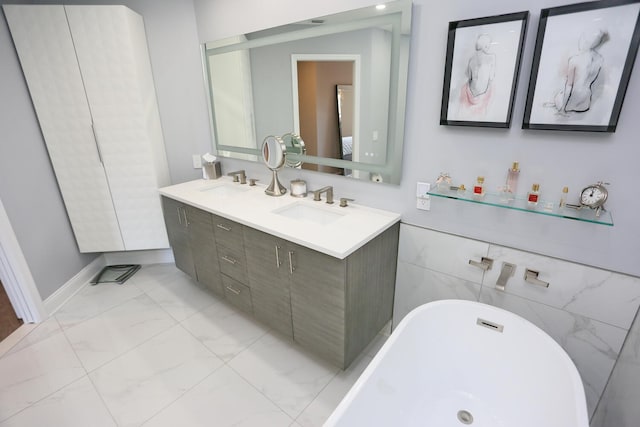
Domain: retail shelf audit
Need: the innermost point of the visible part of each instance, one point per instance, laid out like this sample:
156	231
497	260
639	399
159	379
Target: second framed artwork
481	70
583	59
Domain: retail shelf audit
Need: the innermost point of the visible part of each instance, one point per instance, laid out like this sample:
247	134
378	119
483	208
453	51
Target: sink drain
465	417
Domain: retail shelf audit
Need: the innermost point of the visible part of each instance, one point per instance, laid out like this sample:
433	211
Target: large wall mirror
338	81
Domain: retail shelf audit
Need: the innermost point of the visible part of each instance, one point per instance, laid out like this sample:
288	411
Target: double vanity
319	273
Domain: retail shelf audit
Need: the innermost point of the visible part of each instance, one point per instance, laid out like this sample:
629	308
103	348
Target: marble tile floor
160	350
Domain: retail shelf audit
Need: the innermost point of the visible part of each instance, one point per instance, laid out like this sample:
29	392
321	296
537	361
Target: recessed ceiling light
381	6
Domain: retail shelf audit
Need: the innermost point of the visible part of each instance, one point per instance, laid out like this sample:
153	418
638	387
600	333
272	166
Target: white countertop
250	206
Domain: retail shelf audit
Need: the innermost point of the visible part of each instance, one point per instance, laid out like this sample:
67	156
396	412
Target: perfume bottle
478	189
511	186
563	198
461	190
533	196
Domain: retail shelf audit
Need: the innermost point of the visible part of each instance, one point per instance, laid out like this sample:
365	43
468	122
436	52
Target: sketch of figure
583	69
476	92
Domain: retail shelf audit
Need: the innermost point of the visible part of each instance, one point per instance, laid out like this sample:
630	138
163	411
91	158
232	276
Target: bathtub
457	363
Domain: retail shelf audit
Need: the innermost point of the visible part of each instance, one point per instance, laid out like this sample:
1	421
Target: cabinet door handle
278	262
95	138
233	290
186	221
223	227
291	267
179	217
230	260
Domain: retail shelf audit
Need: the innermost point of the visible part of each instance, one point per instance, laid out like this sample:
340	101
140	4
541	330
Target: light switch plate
422	188
197	161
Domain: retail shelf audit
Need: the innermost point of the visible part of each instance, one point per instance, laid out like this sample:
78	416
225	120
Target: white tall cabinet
90	80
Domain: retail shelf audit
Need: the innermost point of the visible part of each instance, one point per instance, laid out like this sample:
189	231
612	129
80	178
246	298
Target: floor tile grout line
246	380
93	316
104	403
182	394
60	388
3	420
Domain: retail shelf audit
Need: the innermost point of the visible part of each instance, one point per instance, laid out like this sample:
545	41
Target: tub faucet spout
506	271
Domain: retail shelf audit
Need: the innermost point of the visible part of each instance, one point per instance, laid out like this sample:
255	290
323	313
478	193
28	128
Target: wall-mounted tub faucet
328	189
239	174
506	271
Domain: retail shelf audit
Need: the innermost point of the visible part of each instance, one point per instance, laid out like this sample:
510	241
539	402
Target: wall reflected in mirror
285	80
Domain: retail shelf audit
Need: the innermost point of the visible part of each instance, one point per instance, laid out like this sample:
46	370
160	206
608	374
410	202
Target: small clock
594	196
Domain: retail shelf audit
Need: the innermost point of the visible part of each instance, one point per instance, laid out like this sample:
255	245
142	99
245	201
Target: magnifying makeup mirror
294	146
274	154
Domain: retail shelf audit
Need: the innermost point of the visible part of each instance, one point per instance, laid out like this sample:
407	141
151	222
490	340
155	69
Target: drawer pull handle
230	289
531	276
225	228
485	263
291	267
230	260
278	262
179	217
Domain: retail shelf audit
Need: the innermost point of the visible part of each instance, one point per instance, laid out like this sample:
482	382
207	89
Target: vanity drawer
237	294
228	233
233	263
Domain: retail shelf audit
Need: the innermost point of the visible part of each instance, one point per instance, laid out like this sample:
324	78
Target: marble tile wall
588	311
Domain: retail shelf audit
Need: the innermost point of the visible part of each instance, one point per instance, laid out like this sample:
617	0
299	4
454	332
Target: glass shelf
520	204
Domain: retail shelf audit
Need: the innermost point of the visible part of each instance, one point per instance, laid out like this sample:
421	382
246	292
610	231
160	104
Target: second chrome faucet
329	192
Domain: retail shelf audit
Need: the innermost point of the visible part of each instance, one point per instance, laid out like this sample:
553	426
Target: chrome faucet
328	189
239	174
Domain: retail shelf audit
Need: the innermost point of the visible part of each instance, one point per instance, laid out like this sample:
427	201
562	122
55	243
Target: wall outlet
197	161
423	203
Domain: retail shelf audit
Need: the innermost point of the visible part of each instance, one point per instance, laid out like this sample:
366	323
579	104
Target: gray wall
28	187
552	159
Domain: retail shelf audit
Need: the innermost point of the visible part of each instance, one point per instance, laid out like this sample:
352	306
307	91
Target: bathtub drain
465	417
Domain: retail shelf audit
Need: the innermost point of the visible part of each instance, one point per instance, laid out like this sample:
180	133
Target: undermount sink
304	212
225	190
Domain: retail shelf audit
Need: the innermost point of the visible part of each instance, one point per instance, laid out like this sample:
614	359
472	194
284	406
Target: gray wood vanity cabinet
333	307
192	240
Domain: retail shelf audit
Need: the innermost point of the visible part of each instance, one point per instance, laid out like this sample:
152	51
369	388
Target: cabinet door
176	221
46	51
269	277
111	50
318	303
203	247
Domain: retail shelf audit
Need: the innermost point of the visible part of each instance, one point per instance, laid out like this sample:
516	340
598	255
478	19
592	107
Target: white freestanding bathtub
457	363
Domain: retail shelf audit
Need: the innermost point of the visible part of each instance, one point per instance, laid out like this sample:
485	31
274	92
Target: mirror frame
397	14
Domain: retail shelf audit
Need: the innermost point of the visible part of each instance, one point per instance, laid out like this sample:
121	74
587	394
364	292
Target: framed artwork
481	70
582	61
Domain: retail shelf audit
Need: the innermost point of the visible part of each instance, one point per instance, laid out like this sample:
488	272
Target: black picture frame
481	70
583	58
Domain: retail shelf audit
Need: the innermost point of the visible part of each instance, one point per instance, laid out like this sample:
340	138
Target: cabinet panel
267	260
228	233
43	42
176	222
238	294
273	307
318	303
232	263
203	247
111	50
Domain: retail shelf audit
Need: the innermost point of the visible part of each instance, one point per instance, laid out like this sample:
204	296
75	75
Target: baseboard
156	256
73	285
